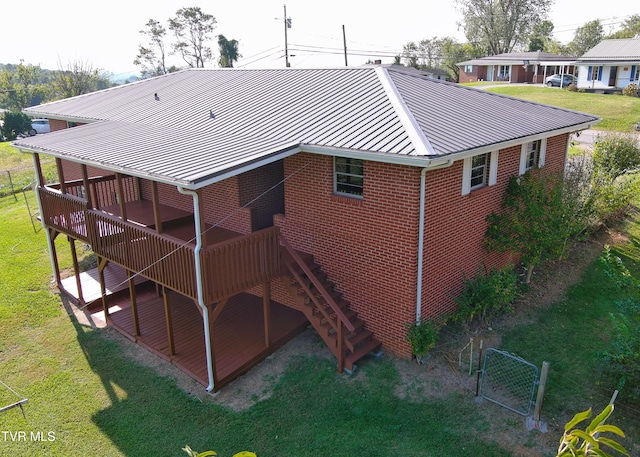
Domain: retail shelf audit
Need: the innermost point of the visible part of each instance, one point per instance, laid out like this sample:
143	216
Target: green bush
615	155
487	296
422	336
15	123
631	90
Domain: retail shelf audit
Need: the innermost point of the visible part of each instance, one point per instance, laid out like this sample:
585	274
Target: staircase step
358	338
351	359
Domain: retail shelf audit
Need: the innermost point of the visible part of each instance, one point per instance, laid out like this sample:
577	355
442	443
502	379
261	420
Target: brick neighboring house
353	199
515	67
610	66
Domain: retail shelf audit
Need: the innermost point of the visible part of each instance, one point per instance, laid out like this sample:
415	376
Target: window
349	176
532	155
504	72
468	68
594	73
479	171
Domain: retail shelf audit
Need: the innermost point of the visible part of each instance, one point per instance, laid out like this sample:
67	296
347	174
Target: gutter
199	286
423	198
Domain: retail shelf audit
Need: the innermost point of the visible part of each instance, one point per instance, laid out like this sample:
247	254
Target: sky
105	35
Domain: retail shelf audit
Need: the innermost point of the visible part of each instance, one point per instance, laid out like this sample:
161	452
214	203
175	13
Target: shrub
487	296
572	88
631	90
15	123
422	336
615	155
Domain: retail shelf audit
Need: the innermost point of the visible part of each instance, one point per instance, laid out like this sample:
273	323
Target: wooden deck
115	281
238	337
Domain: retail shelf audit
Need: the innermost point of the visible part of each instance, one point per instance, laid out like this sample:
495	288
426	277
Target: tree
586	37
501	25
453	52
541	35
192	29
78	78
630	28
533	222
228	52
15	123
151	58
22	87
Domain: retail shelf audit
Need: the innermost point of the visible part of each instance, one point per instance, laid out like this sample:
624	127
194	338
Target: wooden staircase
330	314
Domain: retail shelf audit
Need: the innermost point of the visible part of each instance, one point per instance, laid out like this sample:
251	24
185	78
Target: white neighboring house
610	65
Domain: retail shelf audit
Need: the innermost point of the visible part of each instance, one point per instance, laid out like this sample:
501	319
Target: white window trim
524	156
466	172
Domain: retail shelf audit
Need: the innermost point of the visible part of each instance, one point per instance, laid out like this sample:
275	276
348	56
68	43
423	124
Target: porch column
76	269
167	314
156	210
266	303
87	186
63	185
134	305
51	239
120	194
102	263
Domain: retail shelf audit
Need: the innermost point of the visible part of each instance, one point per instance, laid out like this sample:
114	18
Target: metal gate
508	380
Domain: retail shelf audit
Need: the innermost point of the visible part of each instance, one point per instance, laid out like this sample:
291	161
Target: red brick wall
368	247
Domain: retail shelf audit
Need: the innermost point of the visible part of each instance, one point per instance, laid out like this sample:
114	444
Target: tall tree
501	25
541	36
228	52
453	52
192	29
78	78
22	87
152	57
586	37
630	28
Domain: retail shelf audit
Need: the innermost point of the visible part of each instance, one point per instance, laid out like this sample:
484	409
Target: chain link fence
509	381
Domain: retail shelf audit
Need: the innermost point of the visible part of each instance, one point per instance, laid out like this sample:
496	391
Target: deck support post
134	306
102	263
63	185
76	269
120	195
266	302
167	315
51	238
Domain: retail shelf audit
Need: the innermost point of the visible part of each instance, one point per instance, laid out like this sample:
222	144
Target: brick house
239	206
515	67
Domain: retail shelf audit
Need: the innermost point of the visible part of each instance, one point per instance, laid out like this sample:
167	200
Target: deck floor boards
238	332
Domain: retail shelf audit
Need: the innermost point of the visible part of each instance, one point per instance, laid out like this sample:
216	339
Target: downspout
423	198
42	221
423	186
198	265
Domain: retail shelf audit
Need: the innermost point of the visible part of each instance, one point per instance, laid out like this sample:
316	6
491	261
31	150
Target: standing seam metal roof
190	126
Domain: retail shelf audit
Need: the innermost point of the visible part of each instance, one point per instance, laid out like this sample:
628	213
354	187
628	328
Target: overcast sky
106	34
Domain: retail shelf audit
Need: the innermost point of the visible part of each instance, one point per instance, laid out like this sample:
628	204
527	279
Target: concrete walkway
589	137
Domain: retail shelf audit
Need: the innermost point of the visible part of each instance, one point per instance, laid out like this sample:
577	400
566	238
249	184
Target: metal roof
517	58
620	50
197	126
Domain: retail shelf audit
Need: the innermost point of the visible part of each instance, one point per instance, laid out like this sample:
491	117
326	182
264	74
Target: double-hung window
594	73
479	171
532	155
348	176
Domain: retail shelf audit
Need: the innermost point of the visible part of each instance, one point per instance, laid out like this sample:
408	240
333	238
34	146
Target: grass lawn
619	113
16	170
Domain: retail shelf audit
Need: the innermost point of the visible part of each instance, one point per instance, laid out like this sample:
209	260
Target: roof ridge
416	134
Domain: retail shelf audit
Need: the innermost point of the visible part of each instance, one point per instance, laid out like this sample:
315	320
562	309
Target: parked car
39	126
554	80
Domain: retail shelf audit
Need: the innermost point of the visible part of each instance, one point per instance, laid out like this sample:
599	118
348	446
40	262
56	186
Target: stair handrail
316	282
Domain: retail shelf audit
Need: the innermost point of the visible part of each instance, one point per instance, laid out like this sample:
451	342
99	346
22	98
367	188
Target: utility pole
287	25
344	40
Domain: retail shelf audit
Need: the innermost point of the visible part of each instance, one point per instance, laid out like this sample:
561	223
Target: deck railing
239	264
64	212
103	189
162	258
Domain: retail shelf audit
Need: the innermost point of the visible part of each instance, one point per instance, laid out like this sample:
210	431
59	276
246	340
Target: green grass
618	113
16	169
